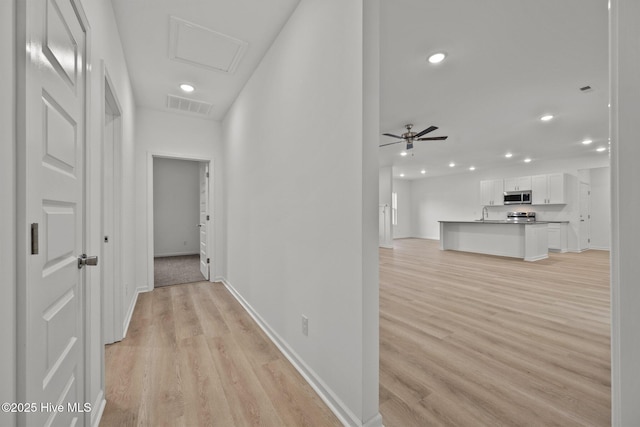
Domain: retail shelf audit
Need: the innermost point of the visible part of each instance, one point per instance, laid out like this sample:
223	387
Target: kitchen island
526	240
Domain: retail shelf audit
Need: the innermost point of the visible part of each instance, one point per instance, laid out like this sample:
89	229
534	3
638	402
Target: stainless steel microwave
517	197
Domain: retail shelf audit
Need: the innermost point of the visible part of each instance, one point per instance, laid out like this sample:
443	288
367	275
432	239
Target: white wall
600	208
7	213
180	136
301	235
625	268
457	197
176	207
402	188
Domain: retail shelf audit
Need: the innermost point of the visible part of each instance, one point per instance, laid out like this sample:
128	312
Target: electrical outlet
305	325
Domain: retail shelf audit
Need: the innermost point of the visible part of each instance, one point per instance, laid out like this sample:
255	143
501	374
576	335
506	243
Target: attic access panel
202	47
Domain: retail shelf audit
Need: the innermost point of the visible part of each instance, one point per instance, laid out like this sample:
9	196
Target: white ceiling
145	32
509	62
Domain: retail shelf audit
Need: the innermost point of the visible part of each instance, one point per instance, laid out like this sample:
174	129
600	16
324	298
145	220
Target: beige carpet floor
174	270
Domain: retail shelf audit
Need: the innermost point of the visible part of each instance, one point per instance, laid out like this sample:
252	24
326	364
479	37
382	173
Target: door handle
87	260
199	225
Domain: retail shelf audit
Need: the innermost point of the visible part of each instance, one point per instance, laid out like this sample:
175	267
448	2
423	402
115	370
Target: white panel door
51	306
204	219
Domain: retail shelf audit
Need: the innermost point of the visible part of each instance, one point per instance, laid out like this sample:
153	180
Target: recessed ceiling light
527	160
401	175
546	117
508	155
472	168
451	164
186	87
587	141
600	149
437	58
403	153
423	171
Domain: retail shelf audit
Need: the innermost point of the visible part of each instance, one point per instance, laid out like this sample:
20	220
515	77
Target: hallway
194	357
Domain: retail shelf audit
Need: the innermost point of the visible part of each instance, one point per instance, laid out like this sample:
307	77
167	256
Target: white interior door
204	219
51	306
585	216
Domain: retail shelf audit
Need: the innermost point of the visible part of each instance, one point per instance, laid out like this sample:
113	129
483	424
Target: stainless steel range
521	216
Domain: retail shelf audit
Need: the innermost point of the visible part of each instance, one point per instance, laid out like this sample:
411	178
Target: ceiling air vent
188	105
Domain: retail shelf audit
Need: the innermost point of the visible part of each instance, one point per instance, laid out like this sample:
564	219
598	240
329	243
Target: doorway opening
181	221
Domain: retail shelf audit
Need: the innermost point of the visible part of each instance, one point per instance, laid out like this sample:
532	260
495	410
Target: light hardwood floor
194	357
478	340
465	340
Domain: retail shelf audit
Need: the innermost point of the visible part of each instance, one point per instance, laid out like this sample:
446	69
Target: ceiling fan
409	136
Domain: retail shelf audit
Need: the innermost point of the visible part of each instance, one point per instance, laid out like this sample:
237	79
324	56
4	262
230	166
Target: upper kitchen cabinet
522	183
492	192
549	189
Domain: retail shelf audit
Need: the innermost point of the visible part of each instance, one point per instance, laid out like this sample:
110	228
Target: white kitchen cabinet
558	236
549	189
492	192
522	183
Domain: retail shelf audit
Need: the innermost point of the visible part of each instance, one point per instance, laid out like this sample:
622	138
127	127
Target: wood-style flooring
193	357
477	340
465	340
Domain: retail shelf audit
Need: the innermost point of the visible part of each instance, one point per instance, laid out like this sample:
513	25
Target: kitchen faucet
485	209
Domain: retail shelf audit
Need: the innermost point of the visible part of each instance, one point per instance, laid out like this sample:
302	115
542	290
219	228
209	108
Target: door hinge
34	238
588	240
207	174
208	260
208	217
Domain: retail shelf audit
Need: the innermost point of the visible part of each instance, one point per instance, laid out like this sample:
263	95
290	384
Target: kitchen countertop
498	221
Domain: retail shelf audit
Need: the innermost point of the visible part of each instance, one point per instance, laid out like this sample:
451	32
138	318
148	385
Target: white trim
132	306
97	409
386	246
334	403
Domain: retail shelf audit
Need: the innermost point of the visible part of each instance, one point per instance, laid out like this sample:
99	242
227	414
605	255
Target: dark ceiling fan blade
433	138
426	131
391	143
392	135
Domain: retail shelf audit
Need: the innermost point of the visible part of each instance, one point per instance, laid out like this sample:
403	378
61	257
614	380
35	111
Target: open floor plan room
479	340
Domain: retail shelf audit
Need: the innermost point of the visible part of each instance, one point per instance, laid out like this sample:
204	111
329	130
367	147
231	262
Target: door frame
112	314
150	219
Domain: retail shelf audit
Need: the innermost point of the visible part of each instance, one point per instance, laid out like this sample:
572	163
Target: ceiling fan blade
392	135
391	143
426	131
433	138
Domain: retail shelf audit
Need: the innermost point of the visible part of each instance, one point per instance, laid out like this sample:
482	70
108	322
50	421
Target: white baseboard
132	306
600	248
97	409
386	246
176	254
334	403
